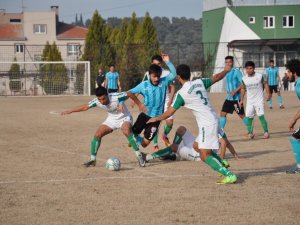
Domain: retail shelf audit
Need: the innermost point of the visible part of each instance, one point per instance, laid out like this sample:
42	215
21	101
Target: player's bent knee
181	130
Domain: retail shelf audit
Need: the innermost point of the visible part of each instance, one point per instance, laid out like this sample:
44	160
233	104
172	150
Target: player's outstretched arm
294	121
219	76
137	101
77	109
171	67
163	116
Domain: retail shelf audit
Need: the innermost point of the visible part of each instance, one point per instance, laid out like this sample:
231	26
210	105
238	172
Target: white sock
93	157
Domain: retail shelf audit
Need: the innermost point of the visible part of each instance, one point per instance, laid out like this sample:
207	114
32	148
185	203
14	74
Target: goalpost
42	78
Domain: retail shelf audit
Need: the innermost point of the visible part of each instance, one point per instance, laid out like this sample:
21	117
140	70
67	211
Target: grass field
42	180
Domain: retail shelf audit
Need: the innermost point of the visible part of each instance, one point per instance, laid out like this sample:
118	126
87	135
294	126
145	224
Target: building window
269	21
288	21
19	48
15	20
40	28
73	49
252	19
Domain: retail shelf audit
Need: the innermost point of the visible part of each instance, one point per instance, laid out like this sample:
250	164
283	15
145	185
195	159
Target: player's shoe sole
166	140
228	180
89	163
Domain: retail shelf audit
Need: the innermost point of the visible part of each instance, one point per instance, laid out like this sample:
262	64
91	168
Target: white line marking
54	113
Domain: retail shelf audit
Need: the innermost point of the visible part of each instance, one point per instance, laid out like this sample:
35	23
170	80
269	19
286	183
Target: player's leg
155	142
226	108
250	112
167	129
150	131
139	125
241	113
279	99
260	111
271	87
126	129
295	141
96	142
208	140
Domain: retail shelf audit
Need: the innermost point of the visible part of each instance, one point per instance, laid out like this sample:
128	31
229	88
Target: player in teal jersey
112	81
233	87
193	95
274	83
118	118
154	92
293	71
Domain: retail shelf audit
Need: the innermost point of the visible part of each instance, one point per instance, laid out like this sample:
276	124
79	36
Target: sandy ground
42	180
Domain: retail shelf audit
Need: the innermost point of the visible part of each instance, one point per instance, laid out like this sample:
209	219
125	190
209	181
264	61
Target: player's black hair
183	71
229	57
250	63
294	66
155	69
271	61
99	91
110	65
157	57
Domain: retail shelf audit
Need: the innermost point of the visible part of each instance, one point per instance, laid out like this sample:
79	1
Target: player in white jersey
118	118
157	60
253	82
193	95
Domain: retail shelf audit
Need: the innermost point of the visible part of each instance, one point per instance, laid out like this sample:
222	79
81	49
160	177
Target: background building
250	30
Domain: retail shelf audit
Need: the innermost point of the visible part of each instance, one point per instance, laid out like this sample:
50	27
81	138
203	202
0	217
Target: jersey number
201	96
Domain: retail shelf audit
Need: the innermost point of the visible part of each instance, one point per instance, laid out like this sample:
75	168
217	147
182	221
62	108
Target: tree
14	77
54	76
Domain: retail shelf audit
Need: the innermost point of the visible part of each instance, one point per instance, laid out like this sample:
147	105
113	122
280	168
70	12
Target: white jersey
112	108
185	149
254	87
193	95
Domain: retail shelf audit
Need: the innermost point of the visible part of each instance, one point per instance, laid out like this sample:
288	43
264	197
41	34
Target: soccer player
118	118
293	71
274	83
157	60
233	87
253	82
154	92
112	81
182	147
193	95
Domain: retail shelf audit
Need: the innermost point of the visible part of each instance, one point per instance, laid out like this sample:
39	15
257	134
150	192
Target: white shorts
185	149
117	123
208	137
258	108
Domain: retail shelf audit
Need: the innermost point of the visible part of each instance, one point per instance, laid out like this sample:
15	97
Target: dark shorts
112	90
150	129
273	88
230	106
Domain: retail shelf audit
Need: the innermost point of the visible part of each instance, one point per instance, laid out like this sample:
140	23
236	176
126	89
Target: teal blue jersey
154	96
112	80
297	87
272	75
233	81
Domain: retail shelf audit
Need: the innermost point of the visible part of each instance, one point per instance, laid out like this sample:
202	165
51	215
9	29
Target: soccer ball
113	164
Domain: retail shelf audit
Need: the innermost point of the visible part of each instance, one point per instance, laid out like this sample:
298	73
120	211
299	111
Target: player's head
229	60
112	68
183	72
157	60
102	95
250	67
293	69
155	73
271	62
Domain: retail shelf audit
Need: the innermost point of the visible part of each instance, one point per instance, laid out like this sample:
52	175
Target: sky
109	8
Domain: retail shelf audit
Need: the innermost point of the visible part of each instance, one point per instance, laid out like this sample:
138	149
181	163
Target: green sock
155	139
132	142
95	144
168	128
216	156
264	123
177	139
250	125
161	153
217	166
